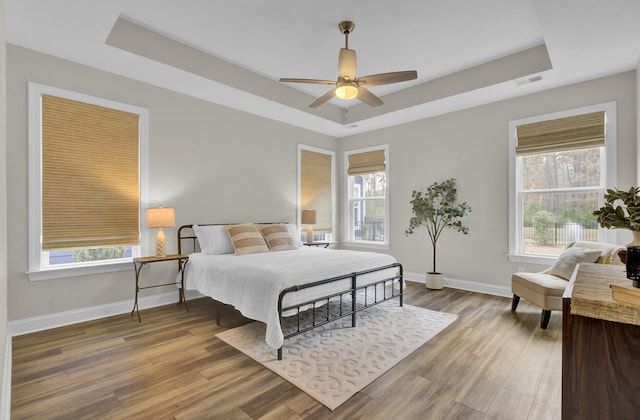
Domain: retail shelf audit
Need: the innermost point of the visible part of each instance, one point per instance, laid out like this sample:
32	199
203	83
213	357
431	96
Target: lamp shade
159	217
309	217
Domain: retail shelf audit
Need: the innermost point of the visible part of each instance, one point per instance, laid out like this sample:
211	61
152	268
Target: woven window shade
366	162
315	188
577	132
90	175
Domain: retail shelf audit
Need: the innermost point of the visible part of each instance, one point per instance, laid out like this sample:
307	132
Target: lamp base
309	235
161	244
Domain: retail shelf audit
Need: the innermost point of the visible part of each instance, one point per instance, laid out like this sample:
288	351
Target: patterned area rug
333	362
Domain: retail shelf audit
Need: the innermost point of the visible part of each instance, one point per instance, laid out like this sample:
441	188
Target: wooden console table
600	347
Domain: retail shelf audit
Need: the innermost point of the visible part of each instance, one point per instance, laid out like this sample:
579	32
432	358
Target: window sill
366	244
532	259
62	272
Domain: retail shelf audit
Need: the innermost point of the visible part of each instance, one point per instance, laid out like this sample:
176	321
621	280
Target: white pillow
570	257
213	240
295	235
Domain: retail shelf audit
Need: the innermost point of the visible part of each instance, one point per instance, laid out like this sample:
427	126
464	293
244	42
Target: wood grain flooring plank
270	400
528	370
497	359
219	403
306	407
509	404
547	403
281	412
416	389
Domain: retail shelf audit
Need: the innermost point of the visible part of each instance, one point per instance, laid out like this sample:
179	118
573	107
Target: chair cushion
544	284
570	257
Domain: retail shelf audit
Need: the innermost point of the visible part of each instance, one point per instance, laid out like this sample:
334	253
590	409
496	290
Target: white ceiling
466	52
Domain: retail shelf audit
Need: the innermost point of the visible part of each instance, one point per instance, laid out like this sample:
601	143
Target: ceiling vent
528	80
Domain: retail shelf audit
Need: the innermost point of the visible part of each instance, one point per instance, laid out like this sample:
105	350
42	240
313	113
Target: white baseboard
40	323
472	286
5	397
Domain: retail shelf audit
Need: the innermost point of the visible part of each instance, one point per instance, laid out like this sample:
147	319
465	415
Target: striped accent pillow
278	237
246	239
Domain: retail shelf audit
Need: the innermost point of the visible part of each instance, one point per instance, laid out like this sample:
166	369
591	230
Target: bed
287	280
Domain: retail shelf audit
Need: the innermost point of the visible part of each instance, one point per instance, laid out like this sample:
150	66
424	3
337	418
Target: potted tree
436	209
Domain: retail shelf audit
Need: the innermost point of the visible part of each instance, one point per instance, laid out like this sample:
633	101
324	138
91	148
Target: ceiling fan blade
324	98
312	81
368	98
387	78
347	64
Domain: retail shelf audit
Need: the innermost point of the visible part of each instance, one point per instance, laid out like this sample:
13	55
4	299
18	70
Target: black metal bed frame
325	301
352	292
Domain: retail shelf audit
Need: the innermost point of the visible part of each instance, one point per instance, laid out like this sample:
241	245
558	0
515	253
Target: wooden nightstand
138	263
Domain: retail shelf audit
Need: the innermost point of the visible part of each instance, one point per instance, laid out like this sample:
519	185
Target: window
316	189
86	157
367	196
560	166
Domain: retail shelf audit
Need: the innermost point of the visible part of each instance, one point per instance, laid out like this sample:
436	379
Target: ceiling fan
348	86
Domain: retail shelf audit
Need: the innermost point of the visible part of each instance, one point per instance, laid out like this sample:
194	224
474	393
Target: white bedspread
252	283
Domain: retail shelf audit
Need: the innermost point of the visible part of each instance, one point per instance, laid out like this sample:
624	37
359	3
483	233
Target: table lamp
309	218
160	217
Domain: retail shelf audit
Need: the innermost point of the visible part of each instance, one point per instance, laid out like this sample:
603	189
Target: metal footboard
345	308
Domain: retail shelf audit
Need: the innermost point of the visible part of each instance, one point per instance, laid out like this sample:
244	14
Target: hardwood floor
489	364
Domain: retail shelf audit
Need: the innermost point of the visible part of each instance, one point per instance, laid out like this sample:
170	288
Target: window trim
347	224
608	176
328	236
36	270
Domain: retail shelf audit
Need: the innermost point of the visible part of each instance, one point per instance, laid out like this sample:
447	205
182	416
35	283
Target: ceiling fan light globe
347	91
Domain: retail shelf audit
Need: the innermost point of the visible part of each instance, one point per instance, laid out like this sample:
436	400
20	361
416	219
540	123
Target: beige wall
213	164
3	205
472	146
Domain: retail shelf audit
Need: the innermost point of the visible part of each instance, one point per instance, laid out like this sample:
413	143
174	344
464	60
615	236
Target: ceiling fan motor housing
346	27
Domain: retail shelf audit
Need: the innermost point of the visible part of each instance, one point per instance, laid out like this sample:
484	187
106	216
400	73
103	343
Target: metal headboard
188	235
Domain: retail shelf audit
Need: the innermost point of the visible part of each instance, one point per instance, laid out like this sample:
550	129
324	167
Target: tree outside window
367	196
560	191
369	207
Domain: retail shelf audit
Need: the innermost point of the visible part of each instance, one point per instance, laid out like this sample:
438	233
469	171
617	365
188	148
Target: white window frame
39	268
328	237
608	176
348	238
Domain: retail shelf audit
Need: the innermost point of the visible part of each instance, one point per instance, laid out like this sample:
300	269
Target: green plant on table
621	210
